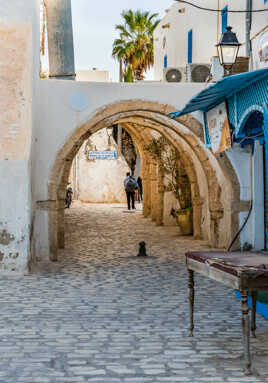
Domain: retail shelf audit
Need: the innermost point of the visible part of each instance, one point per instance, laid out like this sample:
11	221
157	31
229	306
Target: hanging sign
263	47
102	155
218	129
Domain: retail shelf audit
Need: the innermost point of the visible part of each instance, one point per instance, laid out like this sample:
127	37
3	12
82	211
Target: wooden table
243	271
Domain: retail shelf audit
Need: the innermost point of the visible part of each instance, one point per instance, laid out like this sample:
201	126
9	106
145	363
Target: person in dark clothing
139	182
68	197
130	185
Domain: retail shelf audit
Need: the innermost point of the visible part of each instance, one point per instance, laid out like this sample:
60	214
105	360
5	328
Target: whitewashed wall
19	48
206	28
99	181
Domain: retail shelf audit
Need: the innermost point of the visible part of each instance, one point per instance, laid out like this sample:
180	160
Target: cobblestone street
102	315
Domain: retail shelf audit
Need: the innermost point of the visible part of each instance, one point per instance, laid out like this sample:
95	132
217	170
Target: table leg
191	300
253	313
246	331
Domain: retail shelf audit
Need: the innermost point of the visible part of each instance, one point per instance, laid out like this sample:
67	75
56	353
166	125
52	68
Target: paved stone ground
101	315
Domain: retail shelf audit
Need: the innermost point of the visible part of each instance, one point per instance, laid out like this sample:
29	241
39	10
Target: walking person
68	196
130	185
139	182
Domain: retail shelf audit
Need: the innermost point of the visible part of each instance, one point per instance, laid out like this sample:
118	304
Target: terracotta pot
185	221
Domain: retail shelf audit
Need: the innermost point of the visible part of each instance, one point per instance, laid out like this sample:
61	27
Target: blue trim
165	61
261	308
224	18
240	126
206	134
190	46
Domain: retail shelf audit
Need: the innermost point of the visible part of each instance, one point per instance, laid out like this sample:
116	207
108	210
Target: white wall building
94	75
99	180
188	35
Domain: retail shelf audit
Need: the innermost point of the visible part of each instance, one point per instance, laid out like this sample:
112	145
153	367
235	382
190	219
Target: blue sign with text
102	155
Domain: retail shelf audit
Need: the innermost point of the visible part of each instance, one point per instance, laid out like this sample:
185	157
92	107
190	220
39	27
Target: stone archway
207	173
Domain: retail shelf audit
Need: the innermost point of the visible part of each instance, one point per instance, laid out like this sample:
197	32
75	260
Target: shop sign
263	47
102	155
218	129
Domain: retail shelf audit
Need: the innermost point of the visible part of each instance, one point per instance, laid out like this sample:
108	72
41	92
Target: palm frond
135	45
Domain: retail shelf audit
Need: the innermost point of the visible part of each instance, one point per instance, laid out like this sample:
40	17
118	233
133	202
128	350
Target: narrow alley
103	315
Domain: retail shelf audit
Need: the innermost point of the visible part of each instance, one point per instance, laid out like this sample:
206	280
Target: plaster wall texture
18	46
258	202
254	230
60	119
253	233
240	159
100	181
206	27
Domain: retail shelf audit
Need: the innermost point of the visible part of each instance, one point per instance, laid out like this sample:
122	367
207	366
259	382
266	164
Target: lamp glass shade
228	54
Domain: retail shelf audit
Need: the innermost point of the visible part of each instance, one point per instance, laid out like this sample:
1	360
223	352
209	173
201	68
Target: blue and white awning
216	93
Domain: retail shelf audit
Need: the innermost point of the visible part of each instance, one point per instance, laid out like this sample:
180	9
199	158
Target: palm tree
135	46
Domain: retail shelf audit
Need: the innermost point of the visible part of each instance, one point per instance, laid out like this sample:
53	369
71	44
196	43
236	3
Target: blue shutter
165	61
224	19
190	46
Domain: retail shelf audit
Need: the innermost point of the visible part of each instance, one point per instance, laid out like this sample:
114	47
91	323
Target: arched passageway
214	186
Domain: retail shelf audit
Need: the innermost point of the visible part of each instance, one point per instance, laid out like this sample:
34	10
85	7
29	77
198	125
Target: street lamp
228	48
109	131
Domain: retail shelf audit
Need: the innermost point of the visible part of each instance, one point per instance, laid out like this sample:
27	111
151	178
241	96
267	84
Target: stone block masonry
106	316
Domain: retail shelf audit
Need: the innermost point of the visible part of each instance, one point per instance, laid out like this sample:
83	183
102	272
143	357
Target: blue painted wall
261	308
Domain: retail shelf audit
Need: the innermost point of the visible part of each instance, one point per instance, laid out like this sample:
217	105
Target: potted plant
184	219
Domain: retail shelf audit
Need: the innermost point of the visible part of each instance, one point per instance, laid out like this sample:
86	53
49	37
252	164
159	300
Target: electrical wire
249	137
242	227
220	10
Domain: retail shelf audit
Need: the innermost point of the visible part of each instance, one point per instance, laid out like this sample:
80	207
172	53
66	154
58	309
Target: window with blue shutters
165	61
224	19
190	46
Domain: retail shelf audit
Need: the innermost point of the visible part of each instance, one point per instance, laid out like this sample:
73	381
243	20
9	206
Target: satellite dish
200	73
173	75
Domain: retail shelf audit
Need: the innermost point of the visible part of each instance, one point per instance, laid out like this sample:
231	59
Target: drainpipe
248	30
60	39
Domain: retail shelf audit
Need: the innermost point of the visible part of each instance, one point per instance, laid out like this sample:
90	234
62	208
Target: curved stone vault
214	185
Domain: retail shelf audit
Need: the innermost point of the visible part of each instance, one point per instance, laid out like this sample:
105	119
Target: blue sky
94	31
